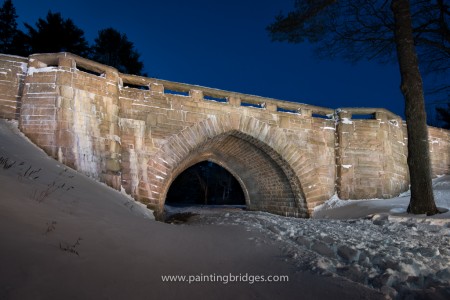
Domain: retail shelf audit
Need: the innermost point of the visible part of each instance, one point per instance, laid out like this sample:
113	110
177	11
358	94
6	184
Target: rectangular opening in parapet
286	110
248	104
172	92
363	117
90	72
136	86
320	116
215	99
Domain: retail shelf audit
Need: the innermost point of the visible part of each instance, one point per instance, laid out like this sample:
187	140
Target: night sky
224	45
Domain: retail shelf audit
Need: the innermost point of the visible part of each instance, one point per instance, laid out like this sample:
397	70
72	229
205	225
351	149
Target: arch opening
205	183
266	179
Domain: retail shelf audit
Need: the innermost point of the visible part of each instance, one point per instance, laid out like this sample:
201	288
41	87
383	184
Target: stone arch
249	149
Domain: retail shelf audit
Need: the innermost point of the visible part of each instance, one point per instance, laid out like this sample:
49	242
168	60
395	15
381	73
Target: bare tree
422	200
373	29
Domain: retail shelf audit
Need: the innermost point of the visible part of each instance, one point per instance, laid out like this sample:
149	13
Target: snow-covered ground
372	242
63	236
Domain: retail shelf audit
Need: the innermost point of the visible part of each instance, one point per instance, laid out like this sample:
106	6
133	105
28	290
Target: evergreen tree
114	49
8	27
55	34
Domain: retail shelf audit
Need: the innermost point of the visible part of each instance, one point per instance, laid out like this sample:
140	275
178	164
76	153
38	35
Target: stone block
41	88
66	62
196	95
234	101
156	87
46	77
271	107
113	165
285	121
64	78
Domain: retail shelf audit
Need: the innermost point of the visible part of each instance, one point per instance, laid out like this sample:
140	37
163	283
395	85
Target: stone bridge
140	133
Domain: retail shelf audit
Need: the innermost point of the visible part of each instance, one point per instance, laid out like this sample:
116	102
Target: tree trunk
422	199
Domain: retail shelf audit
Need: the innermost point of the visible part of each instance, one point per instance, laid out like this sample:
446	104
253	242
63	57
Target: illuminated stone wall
139	133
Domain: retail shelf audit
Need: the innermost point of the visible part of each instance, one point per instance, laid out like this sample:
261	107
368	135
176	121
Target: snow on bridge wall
140	133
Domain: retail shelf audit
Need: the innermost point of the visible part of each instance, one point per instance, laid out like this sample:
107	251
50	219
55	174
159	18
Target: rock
387	279
390	292
428	252
384	263
323	249
353	273
348	254
301	240
328	240
444	275
379	219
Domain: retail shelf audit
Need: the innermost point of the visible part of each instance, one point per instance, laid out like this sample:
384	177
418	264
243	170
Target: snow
373	242
346	166
24	67
346	121
394	122
114	137
32	70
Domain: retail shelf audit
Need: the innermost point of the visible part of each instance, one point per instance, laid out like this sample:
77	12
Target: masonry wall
371	156
73	116
140	133
12	73
439	150
115	134
39	106
149	118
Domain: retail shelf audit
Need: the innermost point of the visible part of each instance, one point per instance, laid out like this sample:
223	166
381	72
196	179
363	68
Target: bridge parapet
221	96
67	61
367	113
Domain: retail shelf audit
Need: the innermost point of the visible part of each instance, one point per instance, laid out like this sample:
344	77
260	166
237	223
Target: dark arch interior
205	183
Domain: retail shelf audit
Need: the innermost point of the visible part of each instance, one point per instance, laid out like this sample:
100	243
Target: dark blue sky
224	45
